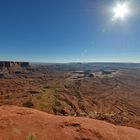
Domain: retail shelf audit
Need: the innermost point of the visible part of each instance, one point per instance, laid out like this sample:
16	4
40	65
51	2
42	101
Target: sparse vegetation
93	114
28	104
31	137
45	100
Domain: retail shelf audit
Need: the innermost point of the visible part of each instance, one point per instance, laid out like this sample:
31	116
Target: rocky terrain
7	68
17	123
103	94
12	64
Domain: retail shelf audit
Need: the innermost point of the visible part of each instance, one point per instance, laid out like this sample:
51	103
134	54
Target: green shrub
31	137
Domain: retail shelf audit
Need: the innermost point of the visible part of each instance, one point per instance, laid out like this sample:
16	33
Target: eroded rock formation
7	64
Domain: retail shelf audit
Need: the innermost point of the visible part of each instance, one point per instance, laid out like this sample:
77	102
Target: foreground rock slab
18	123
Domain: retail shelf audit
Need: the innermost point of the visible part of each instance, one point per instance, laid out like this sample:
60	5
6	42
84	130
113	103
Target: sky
68	31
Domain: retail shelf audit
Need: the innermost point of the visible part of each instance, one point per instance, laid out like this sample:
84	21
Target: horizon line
60	62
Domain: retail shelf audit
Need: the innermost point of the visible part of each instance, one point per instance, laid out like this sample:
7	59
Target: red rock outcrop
18	123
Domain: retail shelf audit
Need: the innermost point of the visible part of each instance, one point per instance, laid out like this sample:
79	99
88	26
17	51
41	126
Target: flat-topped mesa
8	64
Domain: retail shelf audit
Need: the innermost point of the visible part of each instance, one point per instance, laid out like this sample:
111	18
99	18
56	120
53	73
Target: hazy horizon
115	62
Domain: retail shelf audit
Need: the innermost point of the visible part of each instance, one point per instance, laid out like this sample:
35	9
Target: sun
120	11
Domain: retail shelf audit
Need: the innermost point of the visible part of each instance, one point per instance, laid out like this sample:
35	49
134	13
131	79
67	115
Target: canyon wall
8	64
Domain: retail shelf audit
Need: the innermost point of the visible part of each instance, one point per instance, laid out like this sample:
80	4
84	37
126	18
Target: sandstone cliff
8	64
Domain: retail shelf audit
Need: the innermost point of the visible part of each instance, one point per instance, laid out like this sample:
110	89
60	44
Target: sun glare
120	11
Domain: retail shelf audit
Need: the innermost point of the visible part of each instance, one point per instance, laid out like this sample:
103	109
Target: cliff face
7	64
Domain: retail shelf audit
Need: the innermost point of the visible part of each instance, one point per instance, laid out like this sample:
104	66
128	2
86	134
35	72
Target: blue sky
68	31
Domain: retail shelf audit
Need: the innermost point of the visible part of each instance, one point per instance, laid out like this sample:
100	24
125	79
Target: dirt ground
113	98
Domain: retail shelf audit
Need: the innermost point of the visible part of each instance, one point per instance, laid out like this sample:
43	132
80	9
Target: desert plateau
107	92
